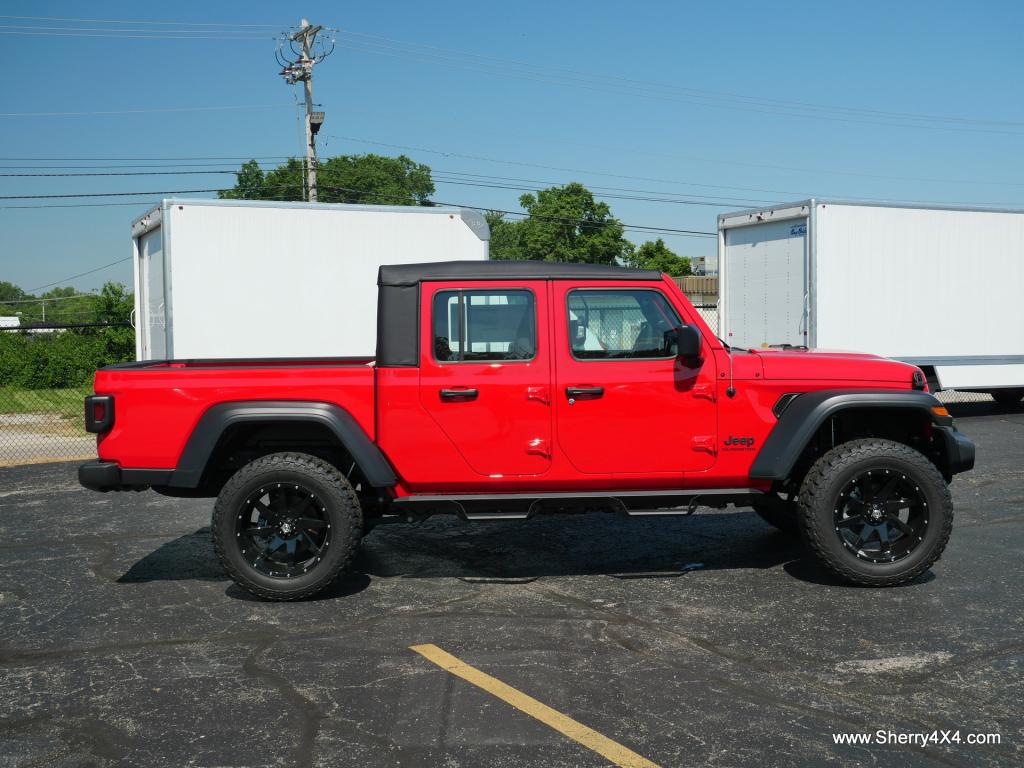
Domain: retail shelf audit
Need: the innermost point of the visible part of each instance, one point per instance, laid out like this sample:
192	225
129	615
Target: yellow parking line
588	737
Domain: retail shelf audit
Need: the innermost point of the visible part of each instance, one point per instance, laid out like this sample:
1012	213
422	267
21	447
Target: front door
624	402
485	375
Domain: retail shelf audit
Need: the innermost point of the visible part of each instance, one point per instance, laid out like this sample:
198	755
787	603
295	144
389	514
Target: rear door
765	279
624	403
485	373
151	320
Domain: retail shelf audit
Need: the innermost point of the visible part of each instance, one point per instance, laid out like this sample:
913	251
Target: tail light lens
99	413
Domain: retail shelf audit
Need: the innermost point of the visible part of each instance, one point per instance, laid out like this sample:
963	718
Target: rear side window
620	324
481	325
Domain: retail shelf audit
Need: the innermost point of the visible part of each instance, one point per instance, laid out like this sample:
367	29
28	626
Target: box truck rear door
765	279
151	317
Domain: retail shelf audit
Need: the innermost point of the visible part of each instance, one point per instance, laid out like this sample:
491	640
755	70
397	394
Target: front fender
805	414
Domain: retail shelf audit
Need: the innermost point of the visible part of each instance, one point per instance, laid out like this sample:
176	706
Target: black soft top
398	298
411	274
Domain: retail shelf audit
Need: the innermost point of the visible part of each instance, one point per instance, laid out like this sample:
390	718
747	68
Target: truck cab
501	390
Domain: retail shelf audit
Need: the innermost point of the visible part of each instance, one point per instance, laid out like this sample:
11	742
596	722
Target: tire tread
835	461
307	464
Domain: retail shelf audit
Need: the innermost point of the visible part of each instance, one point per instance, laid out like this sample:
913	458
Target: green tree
371	179
658	256
505	236
114	304
248	184
563	224
10	292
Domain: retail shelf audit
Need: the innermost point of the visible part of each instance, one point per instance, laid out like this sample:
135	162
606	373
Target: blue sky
697	101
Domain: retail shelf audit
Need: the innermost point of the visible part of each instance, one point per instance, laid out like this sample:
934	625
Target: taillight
99	413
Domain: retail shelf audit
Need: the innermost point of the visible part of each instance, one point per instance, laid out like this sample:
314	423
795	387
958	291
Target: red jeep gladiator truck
503	389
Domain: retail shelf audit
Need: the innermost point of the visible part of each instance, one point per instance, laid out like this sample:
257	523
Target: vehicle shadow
597	543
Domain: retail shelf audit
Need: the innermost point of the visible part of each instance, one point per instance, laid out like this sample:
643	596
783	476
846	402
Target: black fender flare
805	413
212	424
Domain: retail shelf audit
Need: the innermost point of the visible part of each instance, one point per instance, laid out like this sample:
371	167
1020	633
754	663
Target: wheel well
910	426
242	443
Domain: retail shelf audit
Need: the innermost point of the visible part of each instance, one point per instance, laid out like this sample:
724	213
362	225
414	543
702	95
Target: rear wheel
285	525
875	512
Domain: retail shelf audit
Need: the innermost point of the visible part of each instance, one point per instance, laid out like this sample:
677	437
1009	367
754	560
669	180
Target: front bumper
959	450
109	476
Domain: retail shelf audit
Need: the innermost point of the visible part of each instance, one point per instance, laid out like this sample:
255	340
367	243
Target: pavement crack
307	713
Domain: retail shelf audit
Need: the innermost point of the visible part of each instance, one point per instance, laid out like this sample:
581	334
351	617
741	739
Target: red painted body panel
156	408
659	423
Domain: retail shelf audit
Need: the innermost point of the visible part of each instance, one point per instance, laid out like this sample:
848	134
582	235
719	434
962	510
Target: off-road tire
820	492
780	514
341	507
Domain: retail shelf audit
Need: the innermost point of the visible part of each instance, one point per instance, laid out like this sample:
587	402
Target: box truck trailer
939	287
243	279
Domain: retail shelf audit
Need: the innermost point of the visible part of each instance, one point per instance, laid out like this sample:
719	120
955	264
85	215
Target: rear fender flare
806	413
216	420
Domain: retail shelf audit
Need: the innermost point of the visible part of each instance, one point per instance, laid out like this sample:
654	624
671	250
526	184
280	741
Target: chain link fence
45	373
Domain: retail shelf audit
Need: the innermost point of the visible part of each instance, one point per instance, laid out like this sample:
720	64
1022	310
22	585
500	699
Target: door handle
458	394
593	392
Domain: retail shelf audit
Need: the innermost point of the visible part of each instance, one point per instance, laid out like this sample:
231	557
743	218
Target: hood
825	364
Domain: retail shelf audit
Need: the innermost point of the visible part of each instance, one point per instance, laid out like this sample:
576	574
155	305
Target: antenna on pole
305	50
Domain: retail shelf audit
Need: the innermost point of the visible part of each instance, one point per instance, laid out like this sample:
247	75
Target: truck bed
168	397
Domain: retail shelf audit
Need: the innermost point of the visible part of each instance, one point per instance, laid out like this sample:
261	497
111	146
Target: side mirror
687	341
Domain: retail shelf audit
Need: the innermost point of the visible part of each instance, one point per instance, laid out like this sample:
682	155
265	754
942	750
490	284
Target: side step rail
514	506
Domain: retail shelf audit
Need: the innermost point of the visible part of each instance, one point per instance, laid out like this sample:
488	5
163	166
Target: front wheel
875	512
285	525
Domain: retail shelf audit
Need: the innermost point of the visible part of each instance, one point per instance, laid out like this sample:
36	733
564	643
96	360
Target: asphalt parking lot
711	640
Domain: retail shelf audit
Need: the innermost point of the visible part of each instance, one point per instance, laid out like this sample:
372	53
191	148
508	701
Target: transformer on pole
306	52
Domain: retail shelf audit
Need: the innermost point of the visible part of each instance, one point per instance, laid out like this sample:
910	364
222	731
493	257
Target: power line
49	163
52	298
455	178
114	36
334	188
458	178
115	173
76	205
182	166
637	227
109	194
664	92
125	159
525	214
145	111
142	21
119	30
655	180
80	274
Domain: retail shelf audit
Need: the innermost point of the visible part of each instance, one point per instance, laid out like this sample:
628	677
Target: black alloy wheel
283	530
286	524
882	516
875	512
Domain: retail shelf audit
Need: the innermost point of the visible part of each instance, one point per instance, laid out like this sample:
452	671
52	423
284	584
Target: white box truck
238	278
939	287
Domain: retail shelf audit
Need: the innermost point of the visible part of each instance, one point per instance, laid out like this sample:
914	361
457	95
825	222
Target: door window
483	325
620	324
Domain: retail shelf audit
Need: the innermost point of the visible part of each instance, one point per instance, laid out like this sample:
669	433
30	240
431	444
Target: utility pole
300	68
